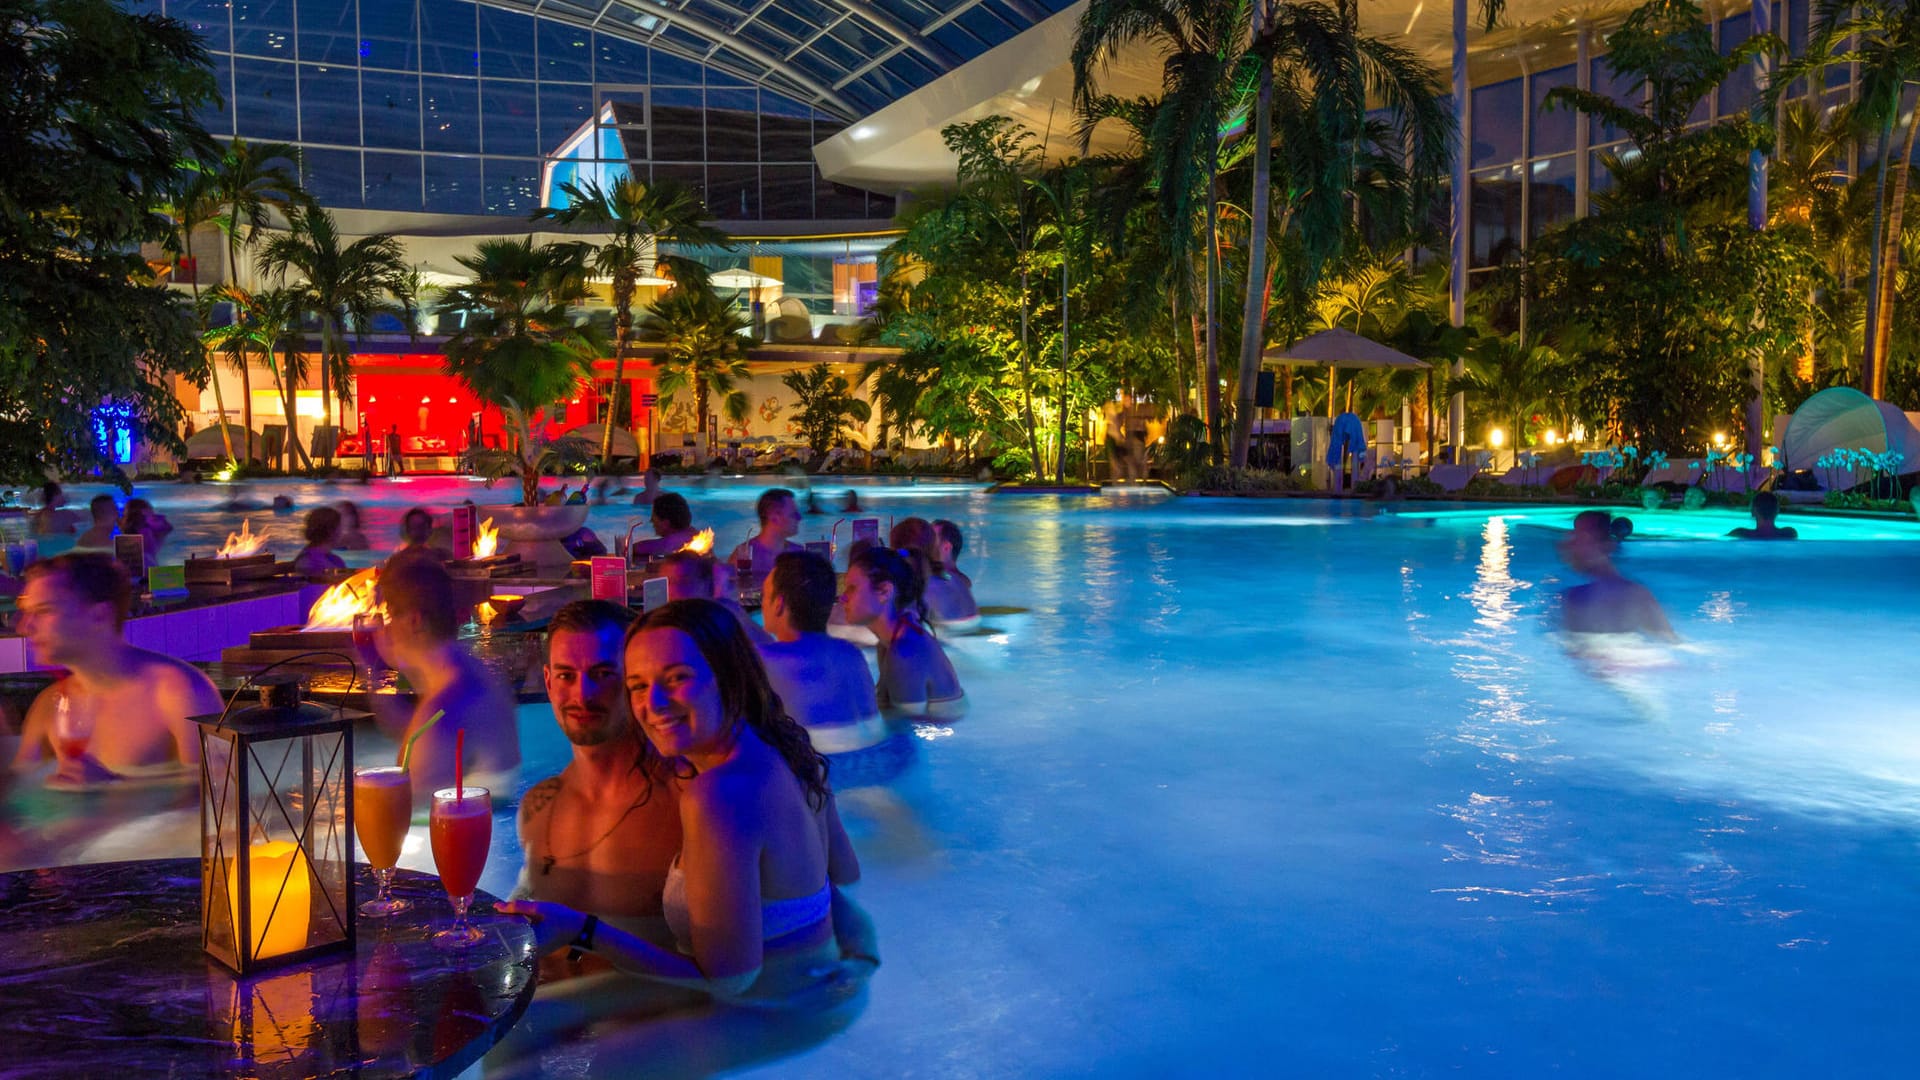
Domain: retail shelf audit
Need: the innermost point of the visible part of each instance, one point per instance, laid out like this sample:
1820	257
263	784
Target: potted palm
520	351
704	352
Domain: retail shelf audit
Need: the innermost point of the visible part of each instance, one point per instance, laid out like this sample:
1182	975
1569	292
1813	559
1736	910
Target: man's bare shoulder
176	676
538	801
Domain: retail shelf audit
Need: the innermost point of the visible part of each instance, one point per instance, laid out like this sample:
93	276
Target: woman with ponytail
884	592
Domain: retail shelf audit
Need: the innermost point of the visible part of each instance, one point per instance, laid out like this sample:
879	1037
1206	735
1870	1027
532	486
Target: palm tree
191	200
636	218
824	406
1202	42
520	350
276	314
1319	74
1513	379
367	277
249	180
704	350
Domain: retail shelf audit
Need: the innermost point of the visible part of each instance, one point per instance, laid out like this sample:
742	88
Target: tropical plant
637	218
249	181
99	105
266	325
339	285
191	201
705	350
520	351
824	406
1510	380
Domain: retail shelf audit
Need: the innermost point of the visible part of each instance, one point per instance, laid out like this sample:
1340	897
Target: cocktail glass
461	826
365	624
71	731
382	810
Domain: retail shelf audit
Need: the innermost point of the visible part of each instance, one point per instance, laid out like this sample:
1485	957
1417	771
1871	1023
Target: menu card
463	530
653	593
609	576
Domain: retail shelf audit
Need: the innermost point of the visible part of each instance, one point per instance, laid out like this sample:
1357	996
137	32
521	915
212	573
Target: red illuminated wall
433	410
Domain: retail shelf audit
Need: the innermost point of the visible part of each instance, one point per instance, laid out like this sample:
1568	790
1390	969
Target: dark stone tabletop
105	977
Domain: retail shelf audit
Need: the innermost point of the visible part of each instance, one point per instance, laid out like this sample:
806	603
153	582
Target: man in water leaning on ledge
132	704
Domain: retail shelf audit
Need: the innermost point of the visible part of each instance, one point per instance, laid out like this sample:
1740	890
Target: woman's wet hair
903	568
323	524
806	582
672	510
745	694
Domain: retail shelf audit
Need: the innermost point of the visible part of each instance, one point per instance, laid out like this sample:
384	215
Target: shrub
1226	478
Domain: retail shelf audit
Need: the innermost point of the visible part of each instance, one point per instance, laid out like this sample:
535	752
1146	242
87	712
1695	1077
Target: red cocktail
461	825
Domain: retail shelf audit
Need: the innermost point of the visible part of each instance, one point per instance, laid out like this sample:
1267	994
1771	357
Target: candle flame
486	541
243	543
701	544
337	606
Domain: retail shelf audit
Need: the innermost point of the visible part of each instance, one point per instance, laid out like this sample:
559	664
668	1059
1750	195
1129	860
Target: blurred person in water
1765	508
322	530
1609	602
131	704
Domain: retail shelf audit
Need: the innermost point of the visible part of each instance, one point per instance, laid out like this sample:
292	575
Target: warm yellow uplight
337	606
487	540
245	542
1551	438
1720	440
1497	438
701	544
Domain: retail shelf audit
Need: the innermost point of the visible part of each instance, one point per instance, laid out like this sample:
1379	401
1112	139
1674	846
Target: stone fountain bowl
534	532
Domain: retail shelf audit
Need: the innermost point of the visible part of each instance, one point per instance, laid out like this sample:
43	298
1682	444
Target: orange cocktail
382	810
461	825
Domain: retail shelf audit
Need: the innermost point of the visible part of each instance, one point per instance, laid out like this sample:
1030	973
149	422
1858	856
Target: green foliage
519	350
95	115
1240	481
705	351
824	406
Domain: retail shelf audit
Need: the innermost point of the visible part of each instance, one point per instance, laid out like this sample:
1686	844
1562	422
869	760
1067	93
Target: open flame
701	544
337	606
486	540
243	543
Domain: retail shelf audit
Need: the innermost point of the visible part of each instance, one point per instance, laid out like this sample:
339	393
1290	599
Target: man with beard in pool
600	836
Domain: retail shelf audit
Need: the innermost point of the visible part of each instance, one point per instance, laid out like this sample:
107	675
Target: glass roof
845	57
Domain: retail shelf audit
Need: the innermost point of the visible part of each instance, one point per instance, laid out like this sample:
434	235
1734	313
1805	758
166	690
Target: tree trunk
1026	375
1882	329
622	330
246	374
1213	299
1066	350
1254	314
700	407
1872	375
219	399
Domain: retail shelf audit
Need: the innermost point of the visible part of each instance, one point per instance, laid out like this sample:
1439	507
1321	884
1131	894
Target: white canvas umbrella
1341	349
740	278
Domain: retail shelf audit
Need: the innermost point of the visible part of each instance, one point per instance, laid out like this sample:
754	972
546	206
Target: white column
1461	223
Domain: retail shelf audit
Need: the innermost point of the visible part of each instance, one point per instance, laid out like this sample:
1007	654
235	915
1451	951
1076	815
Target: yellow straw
406	751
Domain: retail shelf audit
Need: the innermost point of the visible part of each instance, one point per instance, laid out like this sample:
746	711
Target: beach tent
1842	418
206	444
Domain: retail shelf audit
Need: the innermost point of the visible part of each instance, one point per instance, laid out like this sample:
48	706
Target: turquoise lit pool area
1303	788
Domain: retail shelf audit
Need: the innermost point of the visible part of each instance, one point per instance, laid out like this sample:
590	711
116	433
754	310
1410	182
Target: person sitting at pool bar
752	898
693	576
823	681
133	704
1765	508
947	552
420	638
1609	603
779	524
321	530
883	593
53	518
352	537
672	523
416	535
98	538
141	517
599	836
949	601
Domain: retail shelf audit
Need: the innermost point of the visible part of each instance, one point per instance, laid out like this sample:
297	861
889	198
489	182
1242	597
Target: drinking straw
406	751
459	755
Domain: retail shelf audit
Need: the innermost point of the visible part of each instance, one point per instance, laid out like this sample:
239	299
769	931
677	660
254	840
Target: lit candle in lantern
280	928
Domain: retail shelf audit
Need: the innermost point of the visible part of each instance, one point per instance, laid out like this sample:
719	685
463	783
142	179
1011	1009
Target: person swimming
1765	508
883	593
1608	603
352	537
949	600
322	529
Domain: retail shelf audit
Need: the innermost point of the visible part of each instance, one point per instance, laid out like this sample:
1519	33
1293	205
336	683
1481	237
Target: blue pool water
1297	788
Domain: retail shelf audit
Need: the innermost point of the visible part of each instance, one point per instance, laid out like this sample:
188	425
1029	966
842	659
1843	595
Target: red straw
459	755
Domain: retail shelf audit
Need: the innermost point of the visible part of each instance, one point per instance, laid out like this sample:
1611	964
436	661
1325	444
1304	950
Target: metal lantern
276	830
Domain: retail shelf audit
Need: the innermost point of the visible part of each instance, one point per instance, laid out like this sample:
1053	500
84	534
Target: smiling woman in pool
750	898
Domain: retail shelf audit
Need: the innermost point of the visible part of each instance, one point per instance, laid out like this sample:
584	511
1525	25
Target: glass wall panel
447	29
217	116
834	201
512	185
1496	216
393	181
508	112
671	70
1736	94
618	61
733	192
785	138
1626	90
1554	127
330	105
1496	123
1550	194
211	19
390	110
566	53
388	35
733	125
331	176
563	108
263	28
678	125
450	110
329	32
786	191
264	95
453	185
506	45
693	177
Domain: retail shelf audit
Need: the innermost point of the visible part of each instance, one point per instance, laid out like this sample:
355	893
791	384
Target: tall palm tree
339	285
705	351
520	350
1202	42
276	314
249	181
192	200
1513	380
1317	75
637	218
